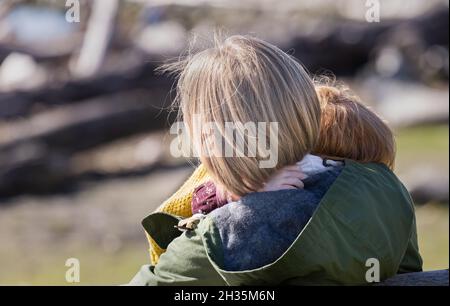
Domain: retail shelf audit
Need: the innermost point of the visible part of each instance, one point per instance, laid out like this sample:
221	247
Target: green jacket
366	213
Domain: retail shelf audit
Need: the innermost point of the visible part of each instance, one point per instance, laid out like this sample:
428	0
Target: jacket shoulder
184	263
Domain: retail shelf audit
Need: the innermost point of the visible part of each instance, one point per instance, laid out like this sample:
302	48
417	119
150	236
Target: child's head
351	130
246	80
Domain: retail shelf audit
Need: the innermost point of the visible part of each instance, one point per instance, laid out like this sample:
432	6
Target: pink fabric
205	199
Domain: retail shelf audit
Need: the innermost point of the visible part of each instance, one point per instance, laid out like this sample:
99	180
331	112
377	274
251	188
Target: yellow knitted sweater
178	204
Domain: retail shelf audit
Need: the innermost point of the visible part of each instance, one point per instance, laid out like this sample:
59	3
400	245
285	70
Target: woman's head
246	80
351	130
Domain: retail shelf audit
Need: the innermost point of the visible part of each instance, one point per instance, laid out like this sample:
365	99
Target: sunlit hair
351	130
245	79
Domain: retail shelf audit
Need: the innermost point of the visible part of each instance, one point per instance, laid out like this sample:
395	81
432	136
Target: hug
329	206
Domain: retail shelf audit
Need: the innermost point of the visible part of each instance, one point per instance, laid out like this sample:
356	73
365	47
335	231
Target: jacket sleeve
412	261
184	263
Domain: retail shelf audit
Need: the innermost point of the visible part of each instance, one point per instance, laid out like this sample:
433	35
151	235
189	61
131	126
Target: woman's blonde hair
244	79
351	130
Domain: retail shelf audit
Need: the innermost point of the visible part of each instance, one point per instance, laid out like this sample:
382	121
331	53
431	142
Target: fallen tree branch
96	40
21	103
352	44
93	122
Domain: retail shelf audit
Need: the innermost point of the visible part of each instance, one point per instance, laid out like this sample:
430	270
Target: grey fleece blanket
260	227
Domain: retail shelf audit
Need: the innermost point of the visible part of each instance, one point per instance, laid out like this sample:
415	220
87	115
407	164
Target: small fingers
289	177
287	187
291	167
293	181
294	174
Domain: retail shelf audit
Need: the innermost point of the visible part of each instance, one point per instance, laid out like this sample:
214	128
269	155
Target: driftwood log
21	103
62	53
35	153
97	37
352	44
84	125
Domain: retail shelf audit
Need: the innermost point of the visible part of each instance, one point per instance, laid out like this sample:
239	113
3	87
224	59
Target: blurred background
84	117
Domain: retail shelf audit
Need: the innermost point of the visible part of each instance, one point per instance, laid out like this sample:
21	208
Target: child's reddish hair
351	130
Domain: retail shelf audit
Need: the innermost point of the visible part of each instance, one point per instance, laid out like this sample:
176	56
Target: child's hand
289	177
